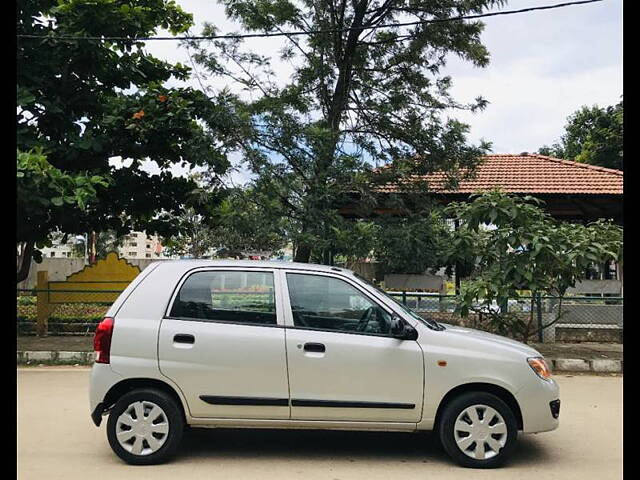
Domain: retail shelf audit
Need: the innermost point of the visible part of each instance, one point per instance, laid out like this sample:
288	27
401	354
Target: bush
70	318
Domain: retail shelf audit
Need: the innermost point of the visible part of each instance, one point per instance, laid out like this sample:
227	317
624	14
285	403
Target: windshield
427	321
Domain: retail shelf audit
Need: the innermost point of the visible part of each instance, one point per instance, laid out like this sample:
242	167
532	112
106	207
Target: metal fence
61	311
541	319
545	319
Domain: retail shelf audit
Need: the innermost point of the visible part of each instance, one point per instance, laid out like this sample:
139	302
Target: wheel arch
502	393
124	386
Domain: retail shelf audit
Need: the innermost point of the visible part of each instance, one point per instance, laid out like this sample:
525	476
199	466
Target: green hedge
59	325
71	318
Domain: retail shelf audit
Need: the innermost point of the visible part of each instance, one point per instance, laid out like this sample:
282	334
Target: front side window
238	297
432	324
329	303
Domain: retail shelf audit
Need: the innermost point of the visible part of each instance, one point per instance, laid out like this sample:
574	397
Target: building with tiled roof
571	190
531	173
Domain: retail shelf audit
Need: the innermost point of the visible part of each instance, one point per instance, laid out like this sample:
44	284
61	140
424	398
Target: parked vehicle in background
284	345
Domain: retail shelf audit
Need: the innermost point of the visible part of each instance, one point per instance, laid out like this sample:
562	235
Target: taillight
102	340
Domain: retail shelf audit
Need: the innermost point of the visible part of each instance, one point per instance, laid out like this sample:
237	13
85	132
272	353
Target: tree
44	195
85	102
247	221
592	135
195	239
359	97
412	244
231	227
526	249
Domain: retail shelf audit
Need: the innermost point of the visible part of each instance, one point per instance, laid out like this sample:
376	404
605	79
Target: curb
29	357
32	357
581	365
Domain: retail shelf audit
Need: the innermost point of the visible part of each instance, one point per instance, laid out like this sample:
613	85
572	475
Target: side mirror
402	330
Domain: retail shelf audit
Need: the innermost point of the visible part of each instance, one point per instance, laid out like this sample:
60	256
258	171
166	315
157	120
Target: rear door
222	342
343	362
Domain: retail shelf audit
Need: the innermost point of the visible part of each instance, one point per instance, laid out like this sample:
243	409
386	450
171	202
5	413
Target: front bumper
535	402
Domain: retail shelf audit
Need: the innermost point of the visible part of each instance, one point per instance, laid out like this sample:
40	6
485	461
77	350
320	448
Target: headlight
539	366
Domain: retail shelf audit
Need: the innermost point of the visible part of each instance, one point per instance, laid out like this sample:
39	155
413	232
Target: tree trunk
303	253
24	261
93	252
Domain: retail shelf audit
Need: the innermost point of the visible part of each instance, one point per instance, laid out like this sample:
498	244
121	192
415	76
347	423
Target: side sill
301	424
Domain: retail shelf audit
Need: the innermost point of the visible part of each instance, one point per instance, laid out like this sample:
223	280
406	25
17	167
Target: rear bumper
536	402
102	379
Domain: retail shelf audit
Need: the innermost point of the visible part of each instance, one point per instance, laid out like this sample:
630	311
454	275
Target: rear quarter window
227	296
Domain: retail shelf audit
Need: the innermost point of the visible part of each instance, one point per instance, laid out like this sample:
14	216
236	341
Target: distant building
141	245
135	245
59	250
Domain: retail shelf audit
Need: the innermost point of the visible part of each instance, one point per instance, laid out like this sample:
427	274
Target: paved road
57	440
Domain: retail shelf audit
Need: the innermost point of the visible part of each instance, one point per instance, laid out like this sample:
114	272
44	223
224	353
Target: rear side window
238	297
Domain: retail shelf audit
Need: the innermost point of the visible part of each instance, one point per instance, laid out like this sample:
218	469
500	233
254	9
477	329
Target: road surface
57	440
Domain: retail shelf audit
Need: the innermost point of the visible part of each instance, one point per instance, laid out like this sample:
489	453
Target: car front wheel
478	430
145	427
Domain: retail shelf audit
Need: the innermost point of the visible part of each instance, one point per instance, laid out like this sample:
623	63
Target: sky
544	66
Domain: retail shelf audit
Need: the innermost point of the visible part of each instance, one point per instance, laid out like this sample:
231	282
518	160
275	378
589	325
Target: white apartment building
59	250
135	245
141	245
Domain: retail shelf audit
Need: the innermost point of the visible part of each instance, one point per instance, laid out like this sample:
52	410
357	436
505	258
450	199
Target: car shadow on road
319	445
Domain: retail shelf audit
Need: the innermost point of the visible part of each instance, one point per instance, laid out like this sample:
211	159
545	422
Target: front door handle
314	347
184	338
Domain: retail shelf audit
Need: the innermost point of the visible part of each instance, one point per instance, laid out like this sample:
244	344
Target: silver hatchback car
284	345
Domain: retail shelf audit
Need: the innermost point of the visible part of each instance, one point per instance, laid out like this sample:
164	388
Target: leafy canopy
593	135
524	249
86	102
45	194
357	98
233	225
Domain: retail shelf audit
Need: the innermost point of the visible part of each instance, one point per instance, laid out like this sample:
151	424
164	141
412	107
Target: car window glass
329	303
239	297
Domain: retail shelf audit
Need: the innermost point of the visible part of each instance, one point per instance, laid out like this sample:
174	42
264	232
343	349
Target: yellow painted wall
112	273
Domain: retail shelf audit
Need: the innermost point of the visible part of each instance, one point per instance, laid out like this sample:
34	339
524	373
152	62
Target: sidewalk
563	357
582	357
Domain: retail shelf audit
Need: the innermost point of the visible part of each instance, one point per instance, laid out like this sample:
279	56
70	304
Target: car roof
196	263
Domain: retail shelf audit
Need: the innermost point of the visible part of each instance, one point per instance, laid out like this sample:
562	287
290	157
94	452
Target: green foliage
26	300
247	221
358	98
87	102
70	318
354	240
45	194
241	222
525	249
412	244
592	135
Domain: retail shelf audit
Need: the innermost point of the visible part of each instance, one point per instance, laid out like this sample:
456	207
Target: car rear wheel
145	427
478	430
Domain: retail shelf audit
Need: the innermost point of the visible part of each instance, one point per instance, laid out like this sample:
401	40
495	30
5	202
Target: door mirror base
402	330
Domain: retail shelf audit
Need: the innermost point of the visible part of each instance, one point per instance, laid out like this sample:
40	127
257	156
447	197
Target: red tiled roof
533	174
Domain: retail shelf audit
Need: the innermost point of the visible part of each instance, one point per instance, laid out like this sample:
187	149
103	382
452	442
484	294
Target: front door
343	362
221	343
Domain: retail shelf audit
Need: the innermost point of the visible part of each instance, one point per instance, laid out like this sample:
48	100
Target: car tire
478	430
154	439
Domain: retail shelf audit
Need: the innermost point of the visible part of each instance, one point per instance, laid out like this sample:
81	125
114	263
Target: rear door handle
184	338
314	347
